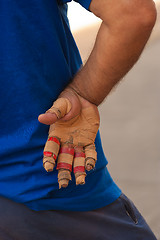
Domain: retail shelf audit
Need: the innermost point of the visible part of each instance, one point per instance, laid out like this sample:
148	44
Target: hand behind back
74	123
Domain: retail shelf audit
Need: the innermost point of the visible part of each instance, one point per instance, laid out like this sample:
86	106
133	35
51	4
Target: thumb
60	108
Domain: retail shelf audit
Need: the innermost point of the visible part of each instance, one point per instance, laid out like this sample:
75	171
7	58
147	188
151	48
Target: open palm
74	123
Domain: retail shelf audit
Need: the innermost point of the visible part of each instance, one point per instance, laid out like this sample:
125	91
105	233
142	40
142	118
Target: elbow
130	15
140	17
146	17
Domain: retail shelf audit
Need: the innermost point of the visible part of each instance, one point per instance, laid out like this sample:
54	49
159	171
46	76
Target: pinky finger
91	157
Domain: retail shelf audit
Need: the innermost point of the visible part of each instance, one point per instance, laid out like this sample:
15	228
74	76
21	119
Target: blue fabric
83	3
38	59
119	220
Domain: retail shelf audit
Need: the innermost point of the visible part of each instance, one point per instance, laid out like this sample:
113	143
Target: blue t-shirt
38	58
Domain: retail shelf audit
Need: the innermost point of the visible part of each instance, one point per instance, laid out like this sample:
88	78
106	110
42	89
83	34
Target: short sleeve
83	3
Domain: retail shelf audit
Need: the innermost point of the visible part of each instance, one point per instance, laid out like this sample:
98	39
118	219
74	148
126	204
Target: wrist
82	90
71	91
91	83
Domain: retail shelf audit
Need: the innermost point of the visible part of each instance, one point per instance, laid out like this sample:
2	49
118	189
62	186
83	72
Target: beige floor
130	130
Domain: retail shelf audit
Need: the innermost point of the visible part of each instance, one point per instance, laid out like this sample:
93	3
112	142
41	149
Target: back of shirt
38	59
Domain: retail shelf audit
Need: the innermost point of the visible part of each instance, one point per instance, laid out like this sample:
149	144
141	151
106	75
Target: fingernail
89	167
63	183
80	180
48	166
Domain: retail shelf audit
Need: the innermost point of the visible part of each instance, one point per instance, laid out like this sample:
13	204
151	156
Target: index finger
50	153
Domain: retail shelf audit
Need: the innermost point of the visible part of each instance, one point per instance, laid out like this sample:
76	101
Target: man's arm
74	117
125	29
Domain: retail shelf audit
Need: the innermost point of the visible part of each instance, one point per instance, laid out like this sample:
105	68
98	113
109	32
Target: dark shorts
119	220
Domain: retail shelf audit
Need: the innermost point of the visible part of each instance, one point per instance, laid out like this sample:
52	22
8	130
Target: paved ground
130	129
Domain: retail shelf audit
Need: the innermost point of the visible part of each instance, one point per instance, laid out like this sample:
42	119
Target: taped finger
79	166
50	153
60	107
91	157
64	164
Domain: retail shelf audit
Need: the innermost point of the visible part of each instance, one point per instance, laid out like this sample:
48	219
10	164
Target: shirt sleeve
83	3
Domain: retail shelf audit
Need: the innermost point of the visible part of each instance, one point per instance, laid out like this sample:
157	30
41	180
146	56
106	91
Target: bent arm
122	36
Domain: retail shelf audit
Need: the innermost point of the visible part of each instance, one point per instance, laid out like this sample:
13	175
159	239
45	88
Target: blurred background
130	118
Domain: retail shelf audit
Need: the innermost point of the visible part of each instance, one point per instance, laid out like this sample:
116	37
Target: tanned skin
125	29
124	32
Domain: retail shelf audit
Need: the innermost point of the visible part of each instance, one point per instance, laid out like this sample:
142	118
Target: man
39	64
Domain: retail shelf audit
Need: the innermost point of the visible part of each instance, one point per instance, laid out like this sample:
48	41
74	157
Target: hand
74	123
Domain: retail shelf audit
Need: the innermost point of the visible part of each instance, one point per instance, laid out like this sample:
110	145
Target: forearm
119	43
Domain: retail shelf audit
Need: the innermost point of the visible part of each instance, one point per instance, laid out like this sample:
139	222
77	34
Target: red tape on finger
67	150
79	154
79	169
50	154
54	139
63	165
